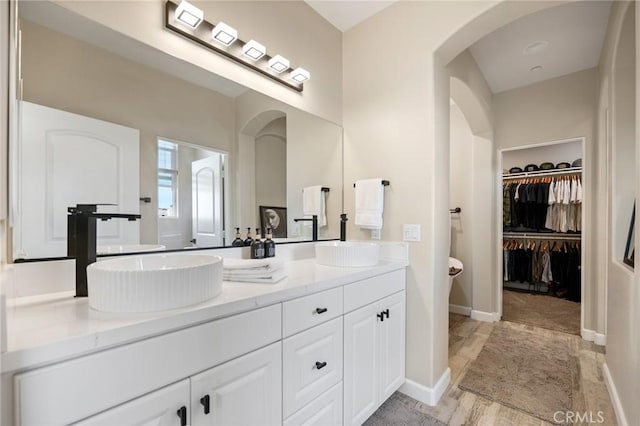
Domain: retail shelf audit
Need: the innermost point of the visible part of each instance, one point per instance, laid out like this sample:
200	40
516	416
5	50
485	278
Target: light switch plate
375	234
410	232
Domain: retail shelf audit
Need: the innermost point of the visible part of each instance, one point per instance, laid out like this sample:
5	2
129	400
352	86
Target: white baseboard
460	310
485	316
591	336
615	398
429	396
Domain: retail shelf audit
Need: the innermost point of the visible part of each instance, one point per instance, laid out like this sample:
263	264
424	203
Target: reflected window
167	179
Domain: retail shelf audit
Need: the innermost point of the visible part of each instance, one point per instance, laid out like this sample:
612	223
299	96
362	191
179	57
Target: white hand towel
249	265
369	203
313	204
271	279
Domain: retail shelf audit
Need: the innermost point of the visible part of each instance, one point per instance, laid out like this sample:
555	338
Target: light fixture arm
202	35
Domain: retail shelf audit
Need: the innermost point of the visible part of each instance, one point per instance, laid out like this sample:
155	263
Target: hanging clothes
542	204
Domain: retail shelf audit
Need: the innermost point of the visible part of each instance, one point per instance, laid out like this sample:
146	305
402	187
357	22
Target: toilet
457	270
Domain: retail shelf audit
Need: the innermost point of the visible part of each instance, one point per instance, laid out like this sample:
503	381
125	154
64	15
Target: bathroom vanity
324	346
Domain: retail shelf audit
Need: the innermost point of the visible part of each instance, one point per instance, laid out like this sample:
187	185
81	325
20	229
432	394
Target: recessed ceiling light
254	50
279	63
188	14
224	34
300	75
536	68
535	47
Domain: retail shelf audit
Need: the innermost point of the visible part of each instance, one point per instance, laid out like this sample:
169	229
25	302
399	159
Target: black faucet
314	226
343	227
82	236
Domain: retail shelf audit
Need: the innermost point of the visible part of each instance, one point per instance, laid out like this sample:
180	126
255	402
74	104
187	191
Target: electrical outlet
410	232
375	234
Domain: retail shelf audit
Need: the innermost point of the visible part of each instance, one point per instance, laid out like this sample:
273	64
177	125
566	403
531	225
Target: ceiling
346	14
554	42
561	40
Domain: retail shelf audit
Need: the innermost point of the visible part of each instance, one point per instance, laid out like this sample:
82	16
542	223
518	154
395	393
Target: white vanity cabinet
374	354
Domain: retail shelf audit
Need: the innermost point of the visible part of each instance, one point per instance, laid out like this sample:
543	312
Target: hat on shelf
530	168
547	166
577	163
563	165
515	170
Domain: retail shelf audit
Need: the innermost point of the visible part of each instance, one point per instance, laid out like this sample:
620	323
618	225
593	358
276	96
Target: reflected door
206	179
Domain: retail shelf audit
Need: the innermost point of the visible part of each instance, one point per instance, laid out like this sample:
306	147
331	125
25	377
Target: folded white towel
270	278
278	276
313	203
264	265
369	203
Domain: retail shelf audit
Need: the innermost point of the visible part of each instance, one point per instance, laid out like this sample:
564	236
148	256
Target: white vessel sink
347	253
128	248
153	282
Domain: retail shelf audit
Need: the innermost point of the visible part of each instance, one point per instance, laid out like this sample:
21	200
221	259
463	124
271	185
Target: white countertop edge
155	324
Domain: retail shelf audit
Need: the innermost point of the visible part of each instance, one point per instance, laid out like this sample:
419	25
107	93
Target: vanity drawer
306	312
324	410
312	364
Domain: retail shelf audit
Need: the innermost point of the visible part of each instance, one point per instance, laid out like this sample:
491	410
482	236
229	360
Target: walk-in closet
542	223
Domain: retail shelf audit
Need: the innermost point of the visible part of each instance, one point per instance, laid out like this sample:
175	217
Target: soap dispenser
238	242
248	241
269	245
257	247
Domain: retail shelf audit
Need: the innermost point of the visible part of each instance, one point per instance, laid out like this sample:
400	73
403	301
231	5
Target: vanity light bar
188	21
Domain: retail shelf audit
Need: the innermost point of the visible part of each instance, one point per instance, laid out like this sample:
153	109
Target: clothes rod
456	210
542	236
559	172
384	183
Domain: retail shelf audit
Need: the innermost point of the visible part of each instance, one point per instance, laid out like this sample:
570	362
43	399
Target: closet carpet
541	310
526	371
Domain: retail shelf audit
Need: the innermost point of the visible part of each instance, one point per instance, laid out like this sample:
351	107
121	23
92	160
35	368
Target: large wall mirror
103	119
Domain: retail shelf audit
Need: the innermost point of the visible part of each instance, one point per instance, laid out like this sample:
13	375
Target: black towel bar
384	183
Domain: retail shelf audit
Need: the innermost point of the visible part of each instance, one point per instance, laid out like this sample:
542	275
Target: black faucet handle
343	217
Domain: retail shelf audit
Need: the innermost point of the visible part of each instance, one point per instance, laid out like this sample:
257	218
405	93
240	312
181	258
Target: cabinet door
163	407
361	364
244	391
312	364
392	344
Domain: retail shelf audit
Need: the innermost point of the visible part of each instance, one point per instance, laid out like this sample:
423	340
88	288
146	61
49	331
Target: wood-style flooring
458	407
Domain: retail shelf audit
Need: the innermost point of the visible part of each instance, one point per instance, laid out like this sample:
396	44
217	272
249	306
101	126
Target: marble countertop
52	327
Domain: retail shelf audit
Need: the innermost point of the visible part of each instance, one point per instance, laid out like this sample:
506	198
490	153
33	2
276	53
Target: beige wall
622	293
64	73
290	28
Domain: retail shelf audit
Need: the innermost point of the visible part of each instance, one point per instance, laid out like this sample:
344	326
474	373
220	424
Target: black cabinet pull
381	316
321	310
206	403
182	413
321	365
386	312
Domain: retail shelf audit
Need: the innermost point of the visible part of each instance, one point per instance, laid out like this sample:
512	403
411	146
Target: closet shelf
541	236
558	172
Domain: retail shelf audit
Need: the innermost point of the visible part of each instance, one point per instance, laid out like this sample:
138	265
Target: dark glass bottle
238	242
257	247
269	245
248	241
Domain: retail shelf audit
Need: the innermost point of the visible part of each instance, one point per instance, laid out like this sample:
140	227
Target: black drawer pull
182	413
381	316
386	312
321	310
321	365
206	403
